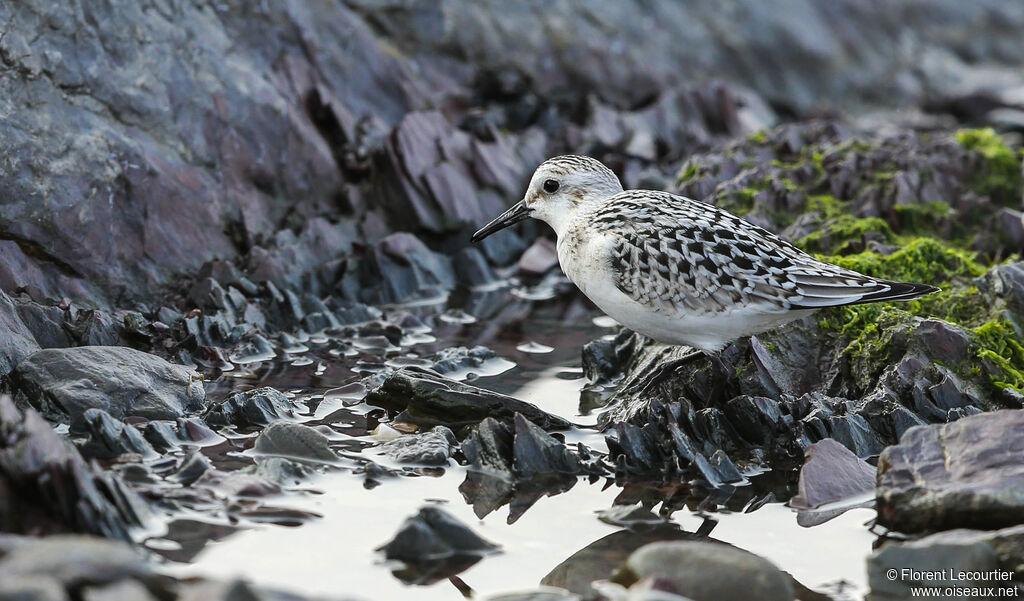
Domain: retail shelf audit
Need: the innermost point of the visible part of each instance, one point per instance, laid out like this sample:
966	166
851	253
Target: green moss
691	171
758	137
919	260
871	331
845	234
1000	178
922	218
998	343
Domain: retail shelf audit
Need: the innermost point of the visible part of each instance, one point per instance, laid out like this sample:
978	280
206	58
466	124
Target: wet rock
832	481
435	545
289	439
965	474
76	562
259	407
456	361
191	469
429	448
424	397
489	480
64	383
606	360
109	437
237	484
281	470
705	571
543	594
939	559
48	487
537	456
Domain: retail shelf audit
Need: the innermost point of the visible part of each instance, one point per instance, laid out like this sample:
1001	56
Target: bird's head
558	188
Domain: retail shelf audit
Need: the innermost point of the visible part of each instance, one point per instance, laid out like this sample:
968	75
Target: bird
677	270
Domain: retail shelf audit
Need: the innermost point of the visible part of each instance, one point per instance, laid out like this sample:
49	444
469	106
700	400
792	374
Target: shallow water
539	345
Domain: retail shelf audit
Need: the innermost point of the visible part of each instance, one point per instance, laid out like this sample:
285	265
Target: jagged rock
425	397
16	341
76	562
435	545
64	383
832	475
965	474
537	456
259	407
109	437
428	448
289	439
939	559
48	487
705	571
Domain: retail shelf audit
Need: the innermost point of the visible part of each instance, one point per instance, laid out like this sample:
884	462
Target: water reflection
552	519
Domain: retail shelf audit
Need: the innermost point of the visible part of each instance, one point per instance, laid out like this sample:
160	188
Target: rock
539	258
537	456
293	440
704	571
64	383
47	487
125	590
427	398
428	448
16	341
435	545
259	407
939	560
109	437
75	562
966	474
832	476
489	481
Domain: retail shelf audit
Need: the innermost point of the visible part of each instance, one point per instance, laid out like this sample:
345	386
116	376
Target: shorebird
680	271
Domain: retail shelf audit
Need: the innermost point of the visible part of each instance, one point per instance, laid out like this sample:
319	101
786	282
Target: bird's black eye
551	186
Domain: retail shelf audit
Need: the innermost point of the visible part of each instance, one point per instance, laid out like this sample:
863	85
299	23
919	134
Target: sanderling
677	270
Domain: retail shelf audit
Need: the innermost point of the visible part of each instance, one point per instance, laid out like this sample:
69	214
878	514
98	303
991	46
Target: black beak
514	215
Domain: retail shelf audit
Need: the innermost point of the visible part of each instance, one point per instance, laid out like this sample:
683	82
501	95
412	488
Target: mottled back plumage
677	254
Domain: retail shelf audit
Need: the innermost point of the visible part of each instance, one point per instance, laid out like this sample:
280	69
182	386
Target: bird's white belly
588	266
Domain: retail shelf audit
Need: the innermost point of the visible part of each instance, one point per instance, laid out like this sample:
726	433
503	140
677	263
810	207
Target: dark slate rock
16	341
949	554
460	358
47	487
444	535
191	469
96	328
46	323
472	268
966	474
281	470
427	448
606	360
109	437
402	268
832	475
489	482
76	562
425	397
706	571
259	407
64	383
289	439
538	456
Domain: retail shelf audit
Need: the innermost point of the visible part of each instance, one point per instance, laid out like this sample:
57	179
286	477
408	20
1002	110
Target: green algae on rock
1000	173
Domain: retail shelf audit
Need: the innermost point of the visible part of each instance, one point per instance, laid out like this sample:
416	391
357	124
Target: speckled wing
679	255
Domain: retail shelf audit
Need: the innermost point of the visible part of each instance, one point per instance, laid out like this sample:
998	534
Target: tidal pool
330	549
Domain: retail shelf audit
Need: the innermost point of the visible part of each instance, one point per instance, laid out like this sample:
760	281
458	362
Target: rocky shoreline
297	186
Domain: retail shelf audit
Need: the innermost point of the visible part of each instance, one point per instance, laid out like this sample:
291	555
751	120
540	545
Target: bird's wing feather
677	255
